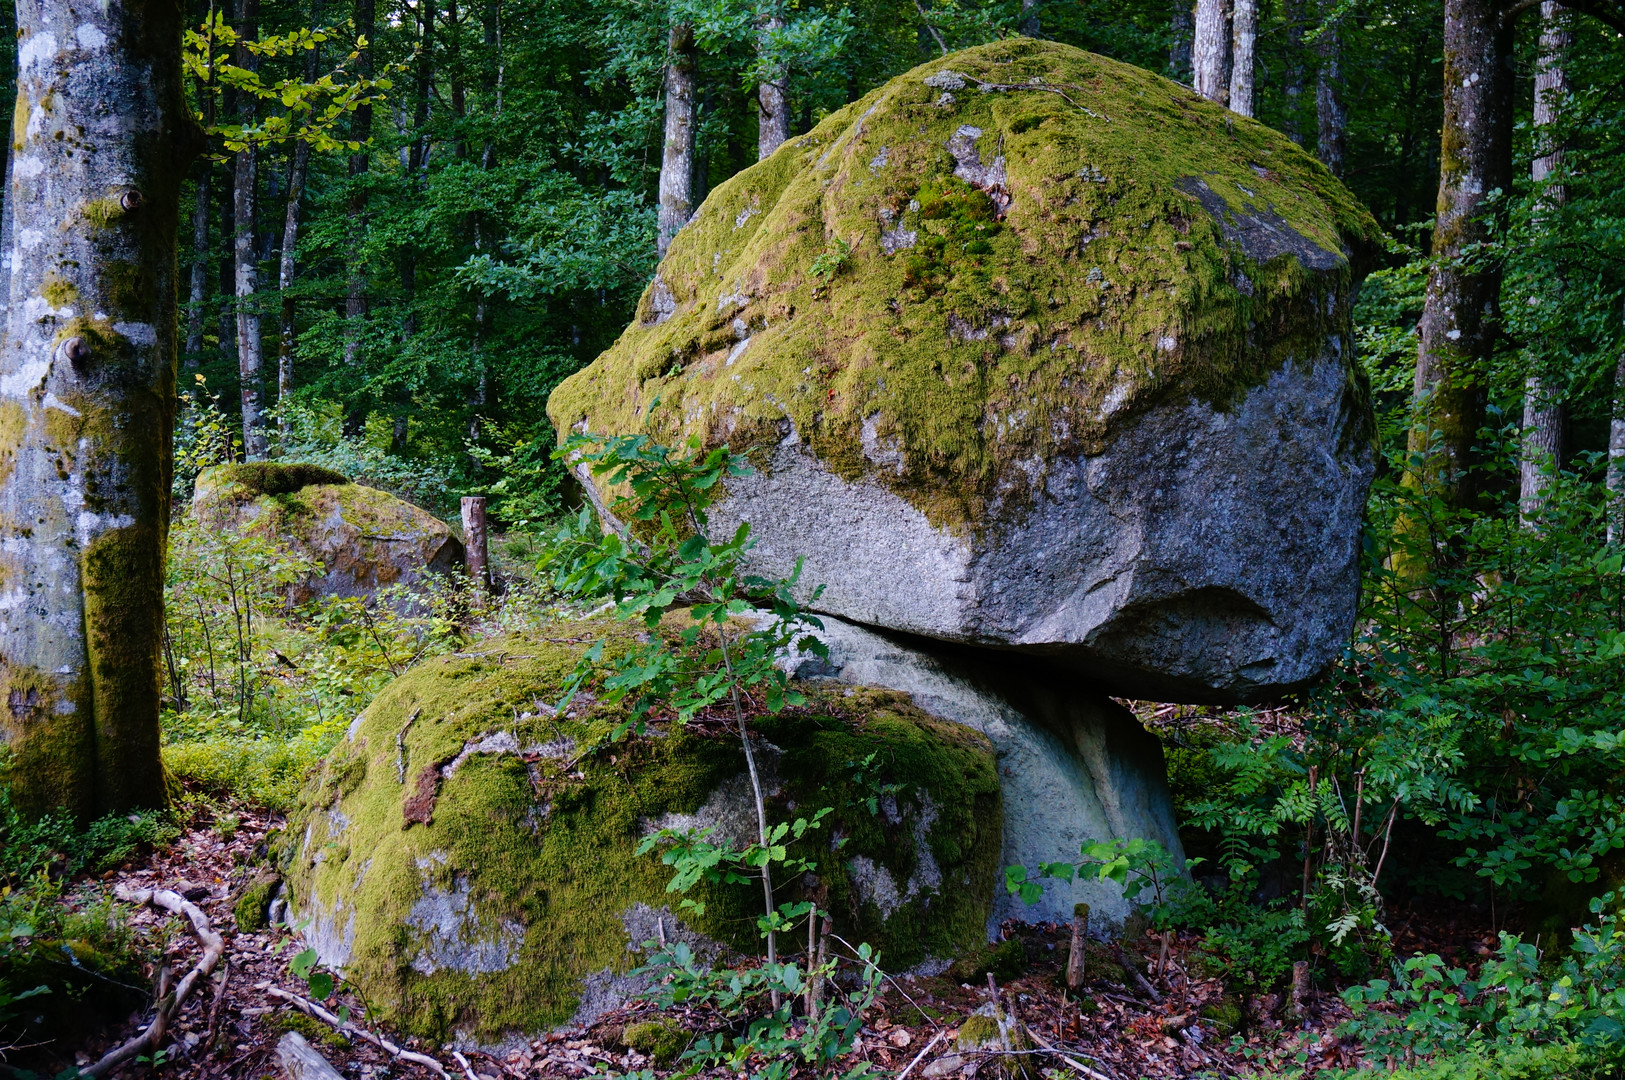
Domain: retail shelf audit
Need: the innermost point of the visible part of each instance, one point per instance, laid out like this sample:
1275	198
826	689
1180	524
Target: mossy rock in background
364	539
475	872
1046	352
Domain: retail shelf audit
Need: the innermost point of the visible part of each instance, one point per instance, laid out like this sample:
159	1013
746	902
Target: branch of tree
350	1031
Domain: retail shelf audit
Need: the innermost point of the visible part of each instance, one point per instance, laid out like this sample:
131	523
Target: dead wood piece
214	1011
1075	957
1134	975
938	1037
214	947
302	1061
350	1031
468	1070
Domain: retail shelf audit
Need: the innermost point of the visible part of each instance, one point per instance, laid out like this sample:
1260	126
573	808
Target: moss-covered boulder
364	539
468	860
1037	350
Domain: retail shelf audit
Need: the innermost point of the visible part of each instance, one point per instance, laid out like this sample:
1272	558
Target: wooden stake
474	543
1300	989
1075	958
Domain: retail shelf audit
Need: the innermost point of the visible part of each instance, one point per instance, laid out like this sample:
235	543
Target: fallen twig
1134	974
938	1037
350	1031
468	1070
1064	1056
214	947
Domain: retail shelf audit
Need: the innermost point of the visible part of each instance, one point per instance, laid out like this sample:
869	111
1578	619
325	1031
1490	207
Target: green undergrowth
1562	1061
982	340
255	478
535	850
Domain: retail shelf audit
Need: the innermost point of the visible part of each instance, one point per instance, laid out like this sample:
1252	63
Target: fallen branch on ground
214	947
350	1031
1134	974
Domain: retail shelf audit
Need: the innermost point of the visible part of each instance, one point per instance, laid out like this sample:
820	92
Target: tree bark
245	179
1210	50
285	275
1243	44
772	108
476	547
1331	146
1460	314
1181	27
87	397
199	292
1616	459
1029	25
1293	13
355	299
1545	413
677	162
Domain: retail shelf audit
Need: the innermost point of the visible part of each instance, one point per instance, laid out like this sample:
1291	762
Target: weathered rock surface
1074	765
465	860
1040	352
365	539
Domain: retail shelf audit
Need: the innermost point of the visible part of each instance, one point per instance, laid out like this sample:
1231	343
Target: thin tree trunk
1210	50
250	347
1028	26
1616	459
1330	114
1545	413
1244	42
492	80
285	276
355	299
1461	308
677	162
1292	12
1181	28
199	292
87	390
772	110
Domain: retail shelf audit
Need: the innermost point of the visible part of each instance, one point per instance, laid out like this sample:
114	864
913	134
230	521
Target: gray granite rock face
1073	764
1206	556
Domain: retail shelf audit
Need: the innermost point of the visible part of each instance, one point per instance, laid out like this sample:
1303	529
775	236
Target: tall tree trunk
1545	413
772	108
1616	459
245	180
355	300
1028	25
492	85
87	392
199	291
1181	28
1460	313
1210	50
285	275
1293	14
1244	43
1331	115
677	162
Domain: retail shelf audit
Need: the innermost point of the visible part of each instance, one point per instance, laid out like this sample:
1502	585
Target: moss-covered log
101	137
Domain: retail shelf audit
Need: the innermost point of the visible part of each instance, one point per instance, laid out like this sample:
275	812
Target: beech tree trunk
87	396
245	180
1243	43
772	110
1028	26
285	273
1210	50
355	299
199	292
1545	413
677	163
1181	27
1331	146
1616	459
1461	309
1293	12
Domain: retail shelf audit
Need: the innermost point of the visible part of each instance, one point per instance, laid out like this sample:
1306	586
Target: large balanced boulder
1037	351
363	539
468	857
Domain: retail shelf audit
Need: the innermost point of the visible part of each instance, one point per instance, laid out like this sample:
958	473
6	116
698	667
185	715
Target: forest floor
230	1029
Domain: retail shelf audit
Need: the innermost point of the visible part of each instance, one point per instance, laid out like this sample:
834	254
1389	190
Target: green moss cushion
474	871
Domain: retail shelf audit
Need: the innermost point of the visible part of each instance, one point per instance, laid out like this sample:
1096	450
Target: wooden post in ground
474	544
1075	958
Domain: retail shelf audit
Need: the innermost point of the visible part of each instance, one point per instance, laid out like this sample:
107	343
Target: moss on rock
466	861
661	1040
253	905
249	480
1043	244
